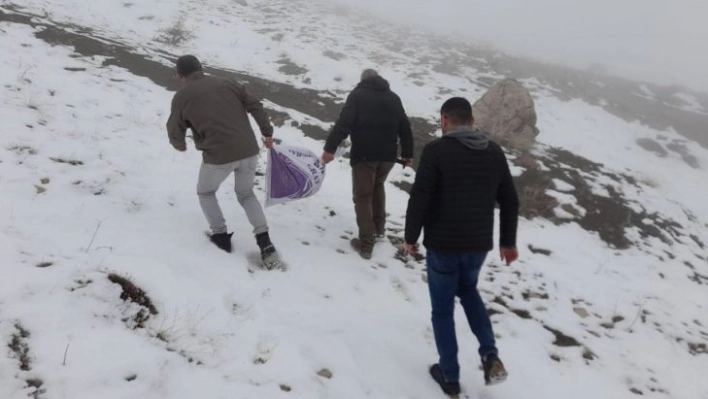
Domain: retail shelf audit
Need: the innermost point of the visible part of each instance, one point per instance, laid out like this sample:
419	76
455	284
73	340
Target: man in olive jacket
374	117
216	110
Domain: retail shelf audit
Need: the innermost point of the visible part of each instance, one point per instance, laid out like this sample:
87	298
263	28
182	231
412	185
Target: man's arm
343	128
405	135
176	127
422	193
254	106
509	207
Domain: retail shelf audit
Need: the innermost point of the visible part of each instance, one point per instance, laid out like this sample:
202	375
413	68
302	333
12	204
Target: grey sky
663	41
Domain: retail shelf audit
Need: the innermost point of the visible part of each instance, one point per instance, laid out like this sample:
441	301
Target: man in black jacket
459	180
374	117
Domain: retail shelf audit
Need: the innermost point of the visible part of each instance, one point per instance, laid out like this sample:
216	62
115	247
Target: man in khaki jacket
216	110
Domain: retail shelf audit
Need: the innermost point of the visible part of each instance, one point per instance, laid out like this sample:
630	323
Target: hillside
608	300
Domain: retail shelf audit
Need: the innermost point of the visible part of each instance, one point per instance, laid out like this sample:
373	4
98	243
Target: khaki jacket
216	110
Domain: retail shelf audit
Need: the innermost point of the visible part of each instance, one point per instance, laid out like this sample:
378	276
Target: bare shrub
176	34
534	202
137	295
527	161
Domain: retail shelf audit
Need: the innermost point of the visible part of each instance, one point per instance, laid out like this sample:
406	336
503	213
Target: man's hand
181	147
408	162
509	255
412	249
327	157
268	142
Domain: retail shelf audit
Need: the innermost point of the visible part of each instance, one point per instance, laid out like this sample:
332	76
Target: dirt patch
290	68
314	132
541	251
19	347
681	149
20	350
22	149
36	384
527	295
609	216
334	55
698	278
653	146
500	301
562	340
698	241
524	314
71	162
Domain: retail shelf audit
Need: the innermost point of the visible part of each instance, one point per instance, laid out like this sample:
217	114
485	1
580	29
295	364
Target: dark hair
457	110
187	65
369	73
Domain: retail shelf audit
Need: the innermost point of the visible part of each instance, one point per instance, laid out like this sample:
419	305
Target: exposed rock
325	373
581	312
508	114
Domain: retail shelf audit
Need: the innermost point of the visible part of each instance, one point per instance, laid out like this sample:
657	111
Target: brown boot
362	248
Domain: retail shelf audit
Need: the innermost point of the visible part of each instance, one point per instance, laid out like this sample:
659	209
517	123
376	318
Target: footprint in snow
401	288
264	351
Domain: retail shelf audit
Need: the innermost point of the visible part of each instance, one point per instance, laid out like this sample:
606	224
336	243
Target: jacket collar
195	76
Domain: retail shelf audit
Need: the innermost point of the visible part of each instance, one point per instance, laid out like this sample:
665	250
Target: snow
691	103
130	208
561	185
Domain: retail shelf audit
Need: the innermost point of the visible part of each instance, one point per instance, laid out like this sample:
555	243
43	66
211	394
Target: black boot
450	388
269	255
222	240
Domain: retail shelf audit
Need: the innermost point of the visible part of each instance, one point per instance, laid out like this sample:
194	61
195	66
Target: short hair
457	110
187	65
369	73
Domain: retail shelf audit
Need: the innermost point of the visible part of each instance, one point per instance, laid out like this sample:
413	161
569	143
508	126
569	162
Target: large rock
508	114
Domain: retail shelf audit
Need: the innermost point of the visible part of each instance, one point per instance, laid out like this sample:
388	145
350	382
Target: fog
661	41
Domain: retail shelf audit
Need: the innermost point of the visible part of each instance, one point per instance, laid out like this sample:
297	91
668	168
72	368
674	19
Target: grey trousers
211	177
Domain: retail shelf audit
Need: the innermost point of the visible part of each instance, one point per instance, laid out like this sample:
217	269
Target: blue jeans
451	275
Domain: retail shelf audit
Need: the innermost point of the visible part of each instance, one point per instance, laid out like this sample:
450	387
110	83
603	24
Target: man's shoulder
434	145
495	148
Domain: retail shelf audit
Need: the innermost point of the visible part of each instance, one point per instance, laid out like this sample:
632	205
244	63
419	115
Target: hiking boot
363	249
269	256
222	240
494	371
450	388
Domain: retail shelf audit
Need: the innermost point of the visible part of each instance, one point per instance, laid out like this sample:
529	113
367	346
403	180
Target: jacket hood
375	83
469	137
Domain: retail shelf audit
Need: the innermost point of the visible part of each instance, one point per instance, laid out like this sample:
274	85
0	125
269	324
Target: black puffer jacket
458	183
374	117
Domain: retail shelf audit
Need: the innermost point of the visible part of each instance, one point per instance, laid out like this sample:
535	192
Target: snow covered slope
92	193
